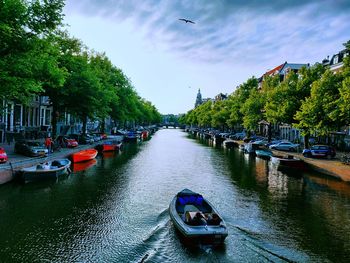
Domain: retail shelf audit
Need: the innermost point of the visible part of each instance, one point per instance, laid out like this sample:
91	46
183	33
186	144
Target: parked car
82	138
273	142
262	142
284	146
3	155
320	151
30	148
66	142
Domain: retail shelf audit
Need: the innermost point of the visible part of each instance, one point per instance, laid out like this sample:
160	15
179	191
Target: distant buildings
200	100
336	62
281	70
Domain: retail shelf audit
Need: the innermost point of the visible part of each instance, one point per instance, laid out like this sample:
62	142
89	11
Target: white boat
48	170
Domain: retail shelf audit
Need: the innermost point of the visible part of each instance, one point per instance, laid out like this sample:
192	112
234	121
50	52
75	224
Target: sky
168	60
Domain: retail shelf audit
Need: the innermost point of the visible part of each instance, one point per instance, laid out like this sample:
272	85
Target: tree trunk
84	125
103	125
306	141
269	132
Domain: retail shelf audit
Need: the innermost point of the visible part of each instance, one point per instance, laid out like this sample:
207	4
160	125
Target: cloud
228	31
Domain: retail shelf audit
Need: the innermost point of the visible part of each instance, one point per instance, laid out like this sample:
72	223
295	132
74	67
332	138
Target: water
117	209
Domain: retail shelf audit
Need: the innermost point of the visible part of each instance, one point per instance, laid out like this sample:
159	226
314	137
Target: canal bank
17	161
334	167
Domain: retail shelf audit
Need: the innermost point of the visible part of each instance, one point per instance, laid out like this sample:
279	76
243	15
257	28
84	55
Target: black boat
196	219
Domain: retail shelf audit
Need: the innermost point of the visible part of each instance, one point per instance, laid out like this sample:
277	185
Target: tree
220	114
318	112
252	109
237	99
343	112
204	114
24	28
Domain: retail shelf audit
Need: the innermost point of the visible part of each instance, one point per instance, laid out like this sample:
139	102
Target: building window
48	117
17	116
36	119
42	117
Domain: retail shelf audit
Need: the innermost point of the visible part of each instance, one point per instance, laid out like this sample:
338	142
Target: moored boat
196	219
264	153
229	143
84	155
49	170
109	146
131	137
251	147
288	161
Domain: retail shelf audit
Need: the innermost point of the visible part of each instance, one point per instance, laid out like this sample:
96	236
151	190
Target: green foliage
24	27
252	109
204	114
344	101
220	113
237	99
283	101
318	113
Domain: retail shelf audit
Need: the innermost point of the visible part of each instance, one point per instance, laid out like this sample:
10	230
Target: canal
117	209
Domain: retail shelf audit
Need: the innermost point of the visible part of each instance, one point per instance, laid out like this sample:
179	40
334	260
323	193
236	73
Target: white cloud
230	41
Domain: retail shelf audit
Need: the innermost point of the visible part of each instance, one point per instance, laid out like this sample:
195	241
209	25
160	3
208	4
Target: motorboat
132	136
109	146
251	147
229	143
288	161
83	156
196	219
48	170
264	153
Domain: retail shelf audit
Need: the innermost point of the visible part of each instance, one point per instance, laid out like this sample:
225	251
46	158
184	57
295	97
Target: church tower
199	99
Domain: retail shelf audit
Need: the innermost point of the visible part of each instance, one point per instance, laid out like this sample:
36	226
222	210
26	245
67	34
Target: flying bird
186	20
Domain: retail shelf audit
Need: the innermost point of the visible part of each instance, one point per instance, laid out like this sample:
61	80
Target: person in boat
214	219
198	220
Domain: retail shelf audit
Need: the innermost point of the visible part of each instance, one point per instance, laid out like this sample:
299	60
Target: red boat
84	155
109	146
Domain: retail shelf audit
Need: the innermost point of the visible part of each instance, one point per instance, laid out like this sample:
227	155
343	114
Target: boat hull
34	173
263	154
283	163
84	155
199	234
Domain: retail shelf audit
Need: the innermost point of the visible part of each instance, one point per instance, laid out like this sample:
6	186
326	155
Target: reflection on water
117	209
79	167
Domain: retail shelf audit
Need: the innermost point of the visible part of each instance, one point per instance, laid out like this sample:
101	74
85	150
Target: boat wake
265	249
154	243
